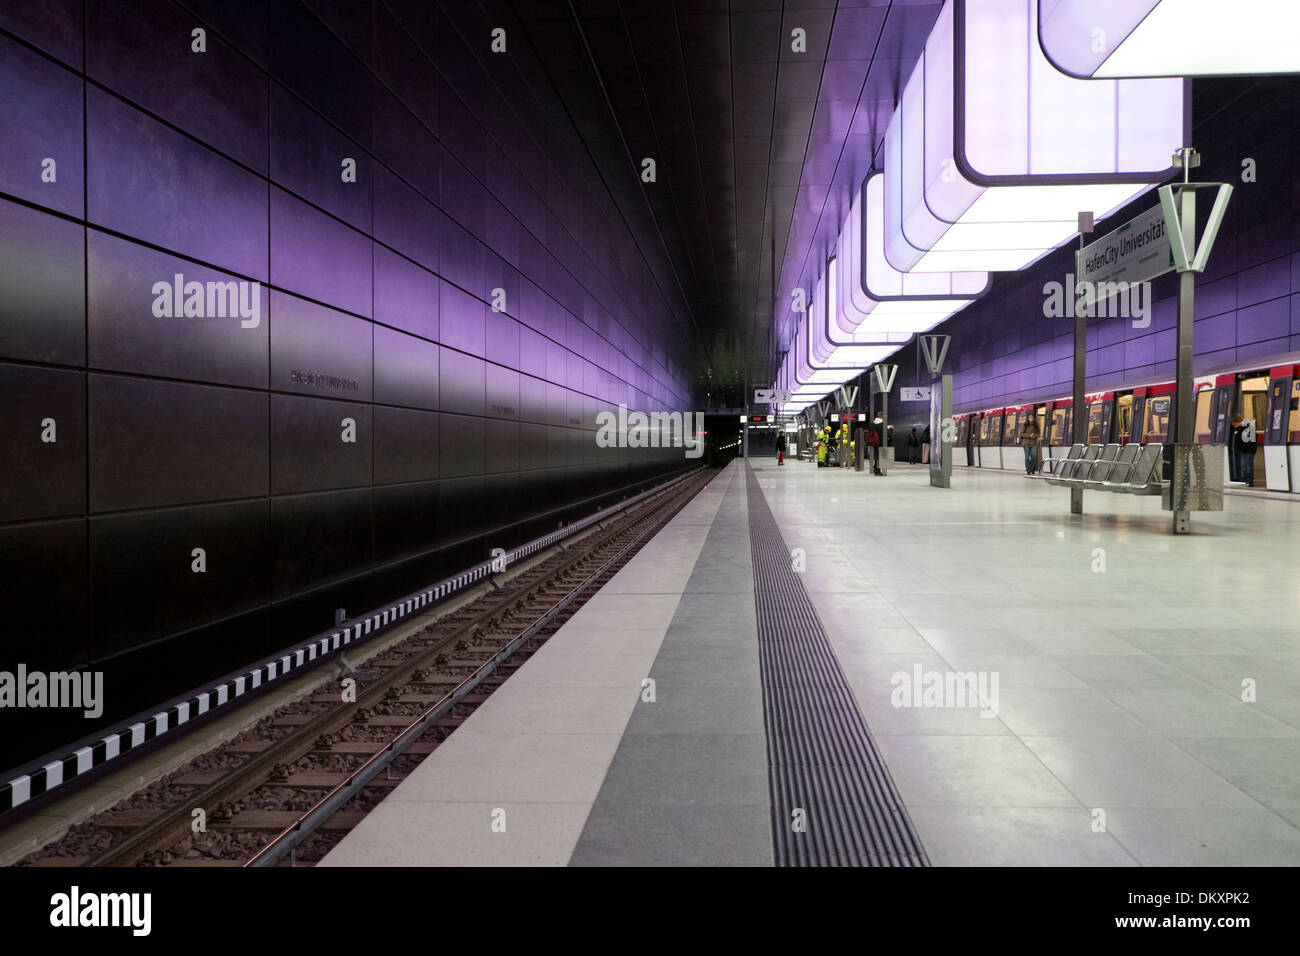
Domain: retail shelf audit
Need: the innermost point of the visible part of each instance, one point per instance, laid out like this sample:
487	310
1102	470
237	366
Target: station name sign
1137	251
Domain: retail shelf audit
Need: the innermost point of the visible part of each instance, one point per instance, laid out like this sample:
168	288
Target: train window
1058	426
1294	427
1203	415
1254	400
1010	427
1157	418
1124	418
1094	424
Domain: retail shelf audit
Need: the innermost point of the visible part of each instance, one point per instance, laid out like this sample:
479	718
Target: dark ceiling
757	147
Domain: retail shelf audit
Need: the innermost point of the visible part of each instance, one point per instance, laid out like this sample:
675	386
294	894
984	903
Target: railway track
286	790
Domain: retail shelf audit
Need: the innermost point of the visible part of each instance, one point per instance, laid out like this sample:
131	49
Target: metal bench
1048	466
1127	469
1116	471
1147	475
1072	466
1102	466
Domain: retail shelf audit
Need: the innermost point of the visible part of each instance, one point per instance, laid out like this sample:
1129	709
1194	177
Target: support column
1080	413
1185	410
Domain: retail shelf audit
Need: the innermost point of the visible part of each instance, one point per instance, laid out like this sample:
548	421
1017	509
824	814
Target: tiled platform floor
1120	738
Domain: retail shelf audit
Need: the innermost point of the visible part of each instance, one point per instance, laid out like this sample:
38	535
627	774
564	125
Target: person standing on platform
1246	441
873	445
925	445
780	448
1030	435
913	447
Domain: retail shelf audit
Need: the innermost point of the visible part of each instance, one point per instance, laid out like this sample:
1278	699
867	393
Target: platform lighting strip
144	727
993	152
1143	38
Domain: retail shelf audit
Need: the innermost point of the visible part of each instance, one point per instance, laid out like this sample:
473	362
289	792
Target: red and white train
1145	413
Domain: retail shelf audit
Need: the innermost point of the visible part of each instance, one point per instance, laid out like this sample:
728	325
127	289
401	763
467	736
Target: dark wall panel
461	383
144	50
242	22
406	520
126	335
406	369
319	351
406	296
319	539
142	580
405	145
462	509
502	391
461	443
405	220
42	287
53	25
406	445
37	127
44	562
42	478
312	62
307	158
158	443
501	447
318	256
308	450
156	184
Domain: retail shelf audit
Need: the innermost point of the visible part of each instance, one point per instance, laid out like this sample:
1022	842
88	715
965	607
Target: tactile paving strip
833	802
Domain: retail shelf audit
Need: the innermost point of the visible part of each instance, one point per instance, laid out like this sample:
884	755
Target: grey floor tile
690	769
637	834
1016	836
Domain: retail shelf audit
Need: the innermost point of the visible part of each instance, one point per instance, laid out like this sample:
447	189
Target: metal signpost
1149	245
934	348
1080	358
1197	480
882	380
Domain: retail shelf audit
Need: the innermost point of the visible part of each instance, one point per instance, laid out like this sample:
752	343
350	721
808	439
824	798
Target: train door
1205	415
1060	437
1293	433
1123	417
1252	401
1221	411
1096	435
1011	421
1275	431
963	453
1041	412
1159	419
1138	419
990	435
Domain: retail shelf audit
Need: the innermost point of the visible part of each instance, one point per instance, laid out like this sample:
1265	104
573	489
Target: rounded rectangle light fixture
993	152
1105	39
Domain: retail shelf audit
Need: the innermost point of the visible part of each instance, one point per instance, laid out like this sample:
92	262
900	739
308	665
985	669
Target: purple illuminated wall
471	428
